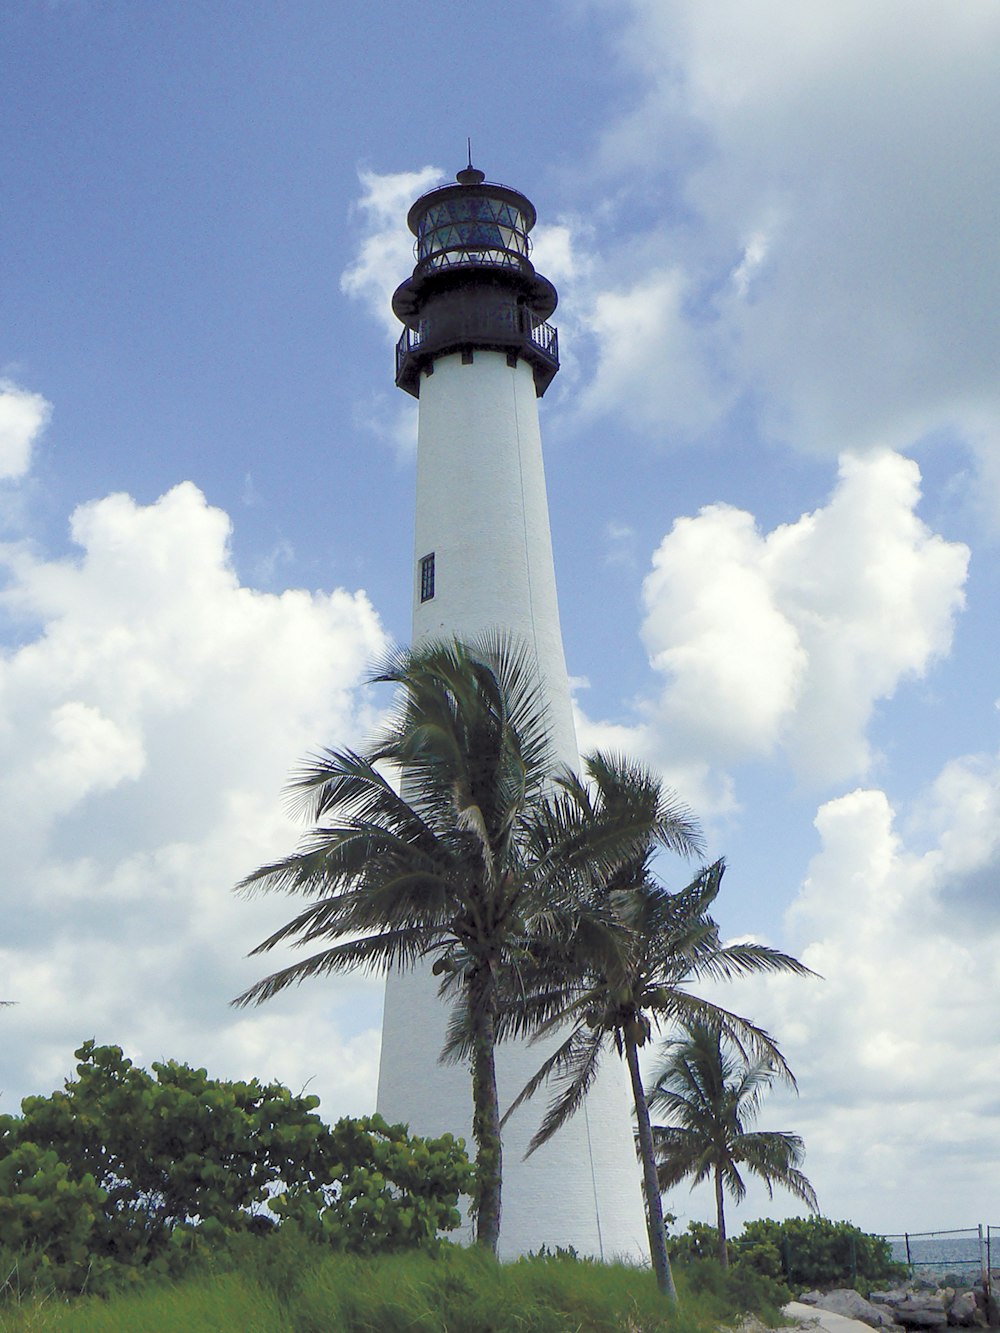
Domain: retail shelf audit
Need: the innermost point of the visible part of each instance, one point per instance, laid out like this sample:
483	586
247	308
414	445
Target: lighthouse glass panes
473	230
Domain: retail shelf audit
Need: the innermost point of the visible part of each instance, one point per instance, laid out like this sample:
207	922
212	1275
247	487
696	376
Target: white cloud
895	1048
754	254
646	356
150	713
707	791
789	639
557	251
826	245
391	420
23	417
385	254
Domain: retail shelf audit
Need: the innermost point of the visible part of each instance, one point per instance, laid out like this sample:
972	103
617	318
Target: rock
846	1301
920	1305
888	1297
964	1312
921	1310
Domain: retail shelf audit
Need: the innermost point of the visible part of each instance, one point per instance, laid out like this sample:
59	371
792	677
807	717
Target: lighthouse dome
473	222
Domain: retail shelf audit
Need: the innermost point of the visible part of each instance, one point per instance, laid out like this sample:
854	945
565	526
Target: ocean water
934	1253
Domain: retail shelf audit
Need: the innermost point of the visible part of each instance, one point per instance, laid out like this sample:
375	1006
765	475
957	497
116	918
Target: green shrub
388	1191
816	1252
753	1282
124	1170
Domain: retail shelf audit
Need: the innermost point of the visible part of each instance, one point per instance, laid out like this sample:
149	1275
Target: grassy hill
268	1288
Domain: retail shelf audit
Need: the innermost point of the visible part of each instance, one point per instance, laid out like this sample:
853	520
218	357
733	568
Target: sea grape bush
48	1220
390	1192
172	1146
798	1253
816	1252
124	1168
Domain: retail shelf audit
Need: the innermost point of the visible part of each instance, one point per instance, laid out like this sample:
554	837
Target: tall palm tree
711	1092
626	973
460	865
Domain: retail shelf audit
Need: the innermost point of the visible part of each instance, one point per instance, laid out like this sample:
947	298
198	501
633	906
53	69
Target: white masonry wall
482	510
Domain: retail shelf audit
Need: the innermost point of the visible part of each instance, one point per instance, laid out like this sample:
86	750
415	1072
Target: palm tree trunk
651	1188
486	1113
720	1214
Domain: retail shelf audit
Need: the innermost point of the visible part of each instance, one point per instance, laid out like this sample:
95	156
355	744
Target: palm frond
629	786
573	1072
709	1091
392	948
679	1154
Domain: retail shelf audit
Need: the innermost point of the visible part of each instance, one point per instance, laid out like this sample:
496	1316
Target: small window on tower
427	577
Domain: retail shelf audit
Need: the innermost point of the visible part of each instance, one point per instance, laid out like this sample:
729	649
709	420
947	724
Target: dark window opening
427	577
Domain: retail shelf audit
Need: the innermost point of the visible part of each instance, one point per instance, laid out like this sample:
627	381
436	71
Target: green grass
223	1304
294	1288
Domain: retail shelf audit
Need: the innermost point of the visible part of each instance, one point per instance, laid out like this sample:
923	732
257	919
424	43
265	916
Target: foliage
48	1220
628	965
169	1147
391	1192
268	1284
752	1280
700	1241
712	1093
462	867
816	1252
123	1169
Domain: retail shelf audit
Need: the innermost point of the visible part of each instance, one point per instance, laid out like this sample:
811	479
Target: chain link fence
966	1253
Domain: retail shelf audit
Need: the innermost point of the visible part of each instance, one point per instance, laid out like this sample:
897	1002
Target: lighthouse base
581	1190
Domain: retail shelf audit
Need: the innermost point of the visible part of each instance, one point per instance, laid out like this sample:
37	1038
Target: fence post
984	1264
909	1261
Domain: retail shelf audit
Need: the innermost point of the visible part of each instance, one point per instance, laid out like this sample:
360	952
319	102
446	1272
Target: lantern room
474	285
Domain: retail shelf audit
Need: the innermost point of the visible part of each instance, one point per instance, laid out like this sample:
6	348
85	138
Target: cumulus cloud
23	417
905	1014
788	639
646	355
151	709
385	253
826	248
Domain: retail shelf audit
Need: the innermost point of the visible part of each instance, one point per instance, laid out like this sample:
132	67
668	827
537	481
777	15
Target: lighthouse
478	351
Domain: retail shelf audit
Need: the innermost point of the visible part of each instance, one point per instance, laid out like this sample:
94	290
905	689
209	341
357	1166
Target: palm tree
636	949
711	1091
460	866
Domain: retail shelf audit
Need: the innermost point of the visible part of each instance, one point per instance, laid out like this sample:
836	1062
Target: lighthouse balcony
506	328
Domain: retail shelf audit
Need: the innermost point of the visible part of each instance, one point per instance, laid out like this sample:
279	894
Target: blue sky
773	468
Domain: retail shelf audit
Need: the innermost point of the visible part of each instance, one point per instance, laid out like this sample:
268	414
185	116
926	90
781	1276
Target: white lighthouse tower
478	353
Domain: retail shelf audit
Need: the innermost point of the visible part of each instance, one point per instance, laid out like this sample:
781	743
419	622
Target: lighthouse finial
470	175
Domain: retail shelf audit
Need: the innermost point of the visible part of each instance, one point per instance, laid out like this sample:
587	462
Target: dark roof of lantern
470	180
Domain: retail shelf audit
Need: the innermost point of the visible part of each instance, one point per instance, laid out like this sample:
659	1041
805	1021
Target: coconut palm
711	1092
626	973
459	866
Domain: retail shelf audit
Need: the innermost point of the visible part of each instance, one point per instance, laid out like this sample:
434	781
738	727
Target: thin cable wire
593	1181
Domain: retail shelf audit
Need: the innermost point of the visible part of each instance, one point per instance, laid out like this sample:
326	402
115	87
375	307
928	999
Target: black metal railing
504	326
409	341
545	337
